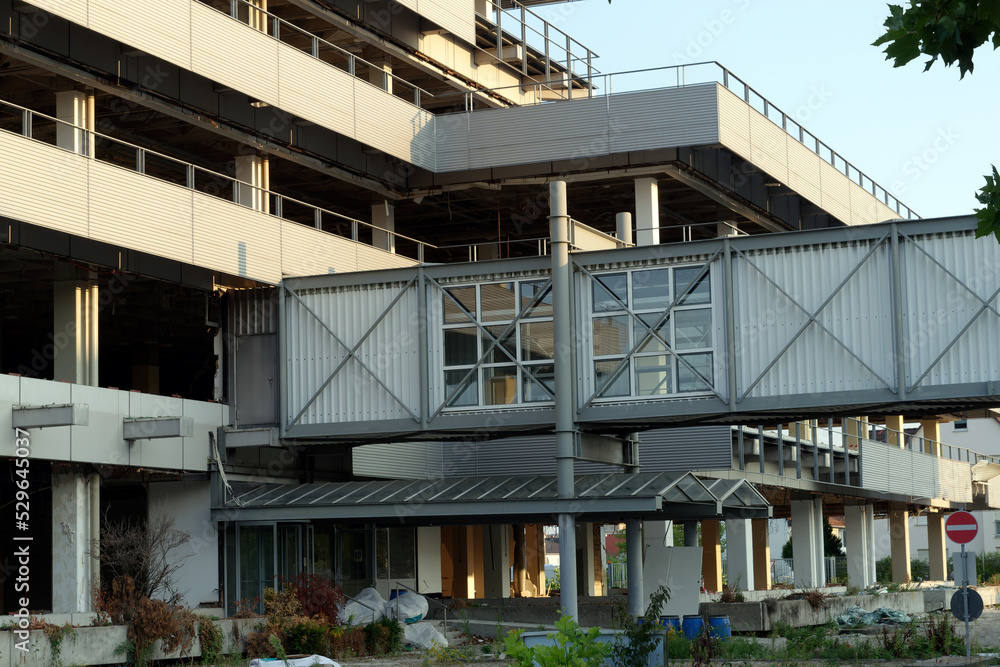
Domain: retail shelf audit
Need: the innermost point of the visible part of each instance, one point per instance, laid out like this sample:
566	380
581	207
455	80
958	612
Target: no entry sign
961	527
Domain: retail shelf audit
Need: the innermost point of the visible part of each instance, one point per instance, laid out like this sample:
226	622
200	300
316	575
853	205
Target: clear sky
928	138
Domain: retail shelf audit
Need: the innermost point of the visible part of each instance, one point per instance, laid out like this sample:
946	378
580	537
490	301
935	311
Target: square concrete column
821	532
647	212
380	75
739	554
384	218
932	432
74	344
895	425
807	544
477	561
761	554
711	558
937	551
71	108
71	536
253	174
690	533
534	554
859	545
659	533
899	537
496	565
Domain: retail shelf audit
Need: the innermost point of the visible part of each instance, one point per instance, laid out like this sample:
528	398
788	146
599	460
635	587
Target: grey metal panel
664	118
686	448
255	390
253	311
406	460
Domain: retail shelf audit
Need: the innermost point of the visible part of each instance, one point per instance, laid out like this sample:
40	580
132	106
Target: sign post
962	528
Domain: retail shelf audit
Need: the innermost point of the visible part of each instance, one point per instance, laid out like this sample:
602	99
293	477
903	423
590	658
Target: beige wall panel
27	172
836	192
308	252
393	125
72	11
768	146
230	52
734	123
235	240
803	171
140	212
161	29
300	76
456	16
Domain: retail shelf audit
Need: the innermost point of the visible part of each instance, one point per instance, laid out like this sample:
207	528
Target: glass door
256	562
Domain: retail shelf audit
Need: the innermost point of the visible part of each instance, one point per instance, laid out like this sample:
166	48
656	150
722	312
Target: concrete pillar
520	561
75	327
821	532
870	529
624	228
146	369
658	533
496	565
94	492
937	550
647	211
477	562
899	536
739	554
807	544
724	229
257	18
634	551
253	172
932	432
585	559
534	556
690	533
384	218
761	555
711	558
71	535
895	434
71	108
859	544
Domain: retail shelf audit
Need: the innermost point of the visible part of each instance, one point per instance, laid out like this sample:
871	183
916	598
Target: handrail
242	193
437	602
736	85
273	27
365	604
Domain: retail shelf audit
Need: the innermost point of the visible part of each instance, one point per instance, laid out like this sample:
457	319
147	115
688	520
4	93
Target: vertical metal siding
28	171
253	311
938	307
766	320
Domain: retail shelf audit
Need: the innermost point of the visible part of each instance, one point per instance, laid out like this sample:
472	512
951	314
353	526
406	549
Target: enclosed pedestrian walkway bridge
882	319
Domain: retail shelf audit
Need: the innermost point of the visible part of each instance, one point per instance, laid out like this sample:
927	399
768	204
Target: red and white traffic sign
961	527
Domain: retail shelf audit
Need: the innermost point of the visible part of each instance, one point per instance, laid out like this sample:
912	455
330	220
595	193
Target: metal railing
532	31
679	76
103	148
783	572
616	575
248	13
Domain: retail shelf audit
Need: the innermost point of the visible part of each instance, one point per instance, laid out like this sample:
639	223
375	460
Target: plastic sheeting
856	616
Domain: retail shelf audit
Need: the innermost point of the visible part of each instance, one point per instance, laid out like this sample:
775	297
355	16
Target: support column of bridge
740	565
858	534
899	538
937	552
807	542
711	555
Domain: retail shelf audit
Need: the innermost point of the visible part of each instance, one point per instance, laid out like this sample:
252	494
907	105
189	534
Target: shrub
384	637
638	637
347	642
210	636
307	635
573	647
318	596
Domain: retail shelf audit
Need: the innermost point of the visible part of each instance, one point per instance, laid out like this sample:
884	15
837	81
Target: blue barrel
720	627
671	623
691	626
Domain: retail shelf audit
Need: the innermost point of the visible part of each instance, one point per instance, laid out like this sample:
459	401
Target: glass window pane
382	553
460	347
610	292
699	380
469	395
653	375
611	335
500	383
402	553
603	369
651	289
701	292
496	353
653	344
465	309
536	378
694	329
537	341
498	301
537	302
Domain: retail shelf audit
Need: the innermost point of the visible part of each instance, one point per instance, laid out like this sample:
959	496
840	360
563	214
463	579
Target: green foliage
920	570
988	566
704	647
210	636
883	570
279	650
307	635
832	545
989	215
573	647
786	550
552	583
946	29
638	637
385	636
621	556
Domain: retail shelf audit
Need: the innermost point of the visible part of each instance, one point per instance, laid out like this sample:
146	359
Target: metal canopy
499	499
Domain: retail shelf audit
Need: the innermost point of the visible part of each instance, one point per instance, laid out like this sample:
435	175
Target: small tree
832	545
146	552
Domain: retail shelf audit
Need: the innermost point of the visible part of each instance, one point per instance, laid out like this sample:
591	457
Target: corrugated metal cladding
944	275
578	129
526	455
903	472
390	352
401	460
455	16
253	311
688	448
993	492
748	134
859	315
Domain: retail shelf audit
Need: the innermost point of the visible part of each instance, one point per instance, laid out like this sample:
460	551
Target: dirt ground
984	631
